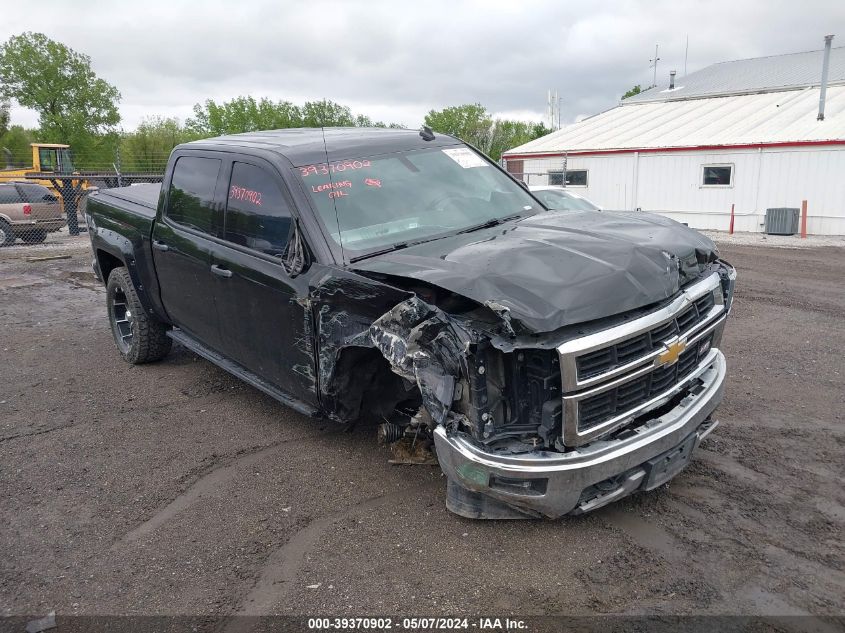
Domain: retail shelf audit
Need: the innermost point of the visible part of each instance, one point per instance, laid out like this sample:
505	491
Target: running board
240	372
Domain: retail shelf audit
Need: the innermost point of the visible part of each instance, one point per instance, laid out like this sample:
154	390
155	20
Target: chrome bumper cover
554	482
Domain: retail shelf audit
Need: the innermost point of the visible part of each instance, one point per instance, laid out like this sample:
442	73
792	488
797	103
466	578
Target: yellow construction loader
52	166
48	159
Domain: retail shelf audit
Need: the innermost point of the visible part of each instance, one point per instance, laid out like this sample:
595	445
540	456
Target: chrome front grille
620	354
610	404
614	375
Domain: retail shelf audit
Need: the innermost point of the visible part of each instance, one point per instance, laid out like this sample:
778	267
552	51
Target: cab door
182	242
265	321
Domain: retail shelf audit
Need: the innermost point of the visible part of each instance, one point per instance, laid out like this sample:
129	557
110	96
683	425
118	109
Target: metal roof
743	76
753	119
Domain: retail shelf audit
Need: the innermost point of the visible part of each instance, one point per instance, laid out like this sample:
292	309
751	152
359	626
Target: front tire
140	337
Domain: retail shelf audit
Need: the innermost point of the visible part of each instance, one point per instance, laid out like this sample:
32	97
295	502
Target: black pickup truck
553	361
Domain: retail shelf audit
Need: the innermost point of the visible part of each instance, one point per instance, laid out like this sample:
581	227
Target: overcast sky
396	60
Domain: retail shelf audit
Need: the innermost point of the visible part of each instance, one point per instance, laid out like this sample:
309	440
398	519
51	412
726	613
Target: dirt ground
174	488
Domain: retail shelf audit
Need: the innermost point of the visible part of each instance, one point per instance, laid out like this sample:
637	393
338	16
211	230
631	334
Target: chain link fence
44	188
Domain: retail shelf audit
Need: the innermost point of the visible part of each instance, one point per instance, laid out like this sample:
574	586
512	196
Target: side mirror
524	184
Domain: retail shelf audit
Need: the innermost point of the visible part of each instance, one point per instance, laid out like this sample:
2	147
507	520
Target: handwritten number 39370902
332	168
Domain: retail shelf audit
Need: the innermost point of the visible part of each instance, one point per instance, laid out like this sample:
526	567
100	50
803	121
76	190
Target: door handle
221	272
160	246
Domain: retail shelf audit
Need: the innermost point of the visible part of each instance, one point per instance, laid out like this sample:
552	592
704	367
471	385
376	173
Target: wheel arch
107	262
361	382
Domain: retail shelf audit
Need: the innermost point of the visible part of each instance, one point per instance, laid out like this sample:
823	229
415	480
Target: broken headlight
728	277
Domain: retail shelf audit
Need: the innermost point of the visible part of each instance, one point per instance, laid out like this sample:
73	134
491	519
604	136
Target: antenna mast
654	65
553	109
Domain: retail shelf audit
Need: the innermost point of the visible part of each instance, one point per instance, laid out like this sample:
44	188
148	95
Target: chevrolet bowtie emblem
670	356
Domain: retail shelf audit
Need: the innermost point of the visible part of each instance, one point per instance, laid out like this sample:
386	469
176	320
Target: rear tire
140	337
35	236
7	236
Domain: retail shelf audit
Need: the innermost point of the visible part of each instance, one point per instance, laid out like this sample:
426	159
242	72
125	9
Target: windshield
393	199
65	161
55	160
558	200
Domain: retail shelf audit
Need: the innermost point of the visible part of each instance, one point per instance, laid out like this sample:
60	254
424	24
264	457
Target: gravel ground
726	239
174	488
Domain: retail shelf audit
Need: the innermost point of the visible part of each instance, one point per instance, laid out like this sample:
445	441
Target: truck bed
142	199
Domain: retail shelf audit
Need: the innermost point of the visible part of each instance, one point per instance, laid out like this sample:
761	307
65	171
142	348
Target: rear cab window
258	215
190	198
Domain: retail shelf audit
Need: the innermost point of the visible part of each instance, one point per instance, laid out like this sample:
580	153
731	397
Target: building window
515	168
717	175
574	178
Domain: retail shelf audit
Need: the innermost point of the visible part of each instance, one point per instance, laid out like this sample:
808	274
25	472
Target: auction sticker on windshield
466	158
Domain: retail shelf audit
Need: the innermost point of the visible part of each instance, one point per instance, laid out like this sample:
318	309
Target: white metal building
742	132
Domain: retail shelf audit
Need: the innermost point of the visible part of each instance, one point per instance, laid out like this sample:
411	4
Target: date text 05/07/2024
416	624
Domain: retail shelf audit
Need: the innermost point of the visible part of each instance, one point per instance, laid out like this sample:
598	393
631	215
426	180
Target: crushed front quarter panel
425	346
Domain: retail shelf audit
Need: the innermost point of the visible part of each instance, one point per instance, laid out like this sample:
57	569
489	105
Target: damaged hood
550	270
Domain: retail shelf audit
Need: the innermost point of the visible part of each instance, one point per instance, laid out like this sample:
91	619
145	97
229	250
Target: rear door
264	319
45	206
182	243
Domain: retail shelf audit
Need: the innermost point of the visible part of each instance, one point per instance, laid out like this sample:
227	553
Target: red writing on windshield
242	193
372	182
324	169
329	186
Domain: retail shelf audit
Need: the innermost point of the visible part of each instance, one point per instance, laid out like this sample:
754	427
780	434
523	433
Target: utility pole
553	109
654	64
559	100
565	160
686	55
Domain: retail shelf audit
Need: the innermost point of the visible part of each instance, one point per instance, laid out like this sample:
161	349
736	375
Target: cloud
395	61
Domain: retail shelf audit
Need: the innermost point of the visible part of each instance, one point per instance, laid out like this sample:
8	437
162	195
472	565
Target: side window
36	193
191	195
574	178
717	175
9	195
257	214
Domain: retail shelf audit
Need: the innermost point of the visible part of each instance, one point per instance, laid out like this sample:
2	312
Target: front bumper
543	483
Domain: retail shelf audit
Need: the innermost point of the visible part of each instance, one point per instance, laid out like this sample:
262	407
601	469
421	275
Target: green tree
242	114
473	124
506	134
4	117
149	146
73	104
245	114
15	144
327	113
633	91
470	122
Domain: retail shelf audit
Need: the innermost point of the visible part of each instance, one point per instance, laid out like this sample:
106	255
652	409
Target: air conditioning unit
782	221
